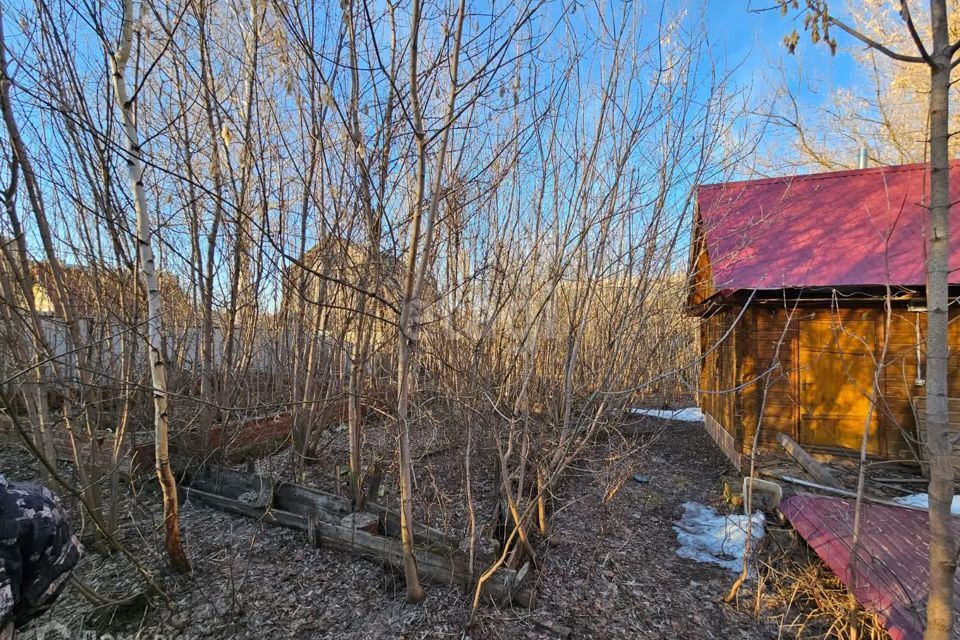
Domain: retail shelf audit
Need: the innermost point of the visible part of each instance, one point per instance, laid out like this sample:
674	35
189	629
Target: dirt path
618	567
613	573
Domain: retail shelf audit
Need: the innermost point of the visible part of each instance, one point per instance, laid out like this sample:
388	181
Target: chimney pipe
862	158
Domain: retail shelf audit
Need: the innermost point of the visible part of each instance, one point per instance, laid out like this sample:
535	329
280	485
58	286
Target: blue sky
750	33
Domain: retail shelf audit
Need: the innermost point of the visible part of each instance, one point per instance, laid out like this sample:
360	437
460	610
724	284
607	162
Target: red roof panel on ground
846	228
892	569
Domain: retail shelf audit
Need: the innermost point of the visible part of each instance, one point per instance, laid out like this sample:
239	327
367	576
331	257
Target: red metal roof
845	228
892	568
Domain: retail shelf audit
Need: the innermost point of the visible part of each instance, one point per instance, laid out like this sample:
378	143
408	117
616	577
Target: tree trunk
409	336
942	547
168	485
357	351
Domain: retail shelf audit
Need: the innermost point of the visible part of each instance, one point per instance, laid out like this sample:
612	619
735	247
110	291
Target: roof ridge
823	175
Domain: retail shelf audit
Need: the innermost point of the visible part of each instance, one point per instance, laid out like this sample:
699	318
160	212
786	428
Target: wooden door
836	379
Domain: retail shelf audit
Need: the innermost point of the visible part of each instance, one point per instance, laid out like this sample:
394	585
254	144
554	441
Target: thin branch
870	42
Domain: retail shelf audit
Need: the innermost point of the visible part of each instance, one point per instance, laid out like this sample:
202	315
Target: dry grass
805	596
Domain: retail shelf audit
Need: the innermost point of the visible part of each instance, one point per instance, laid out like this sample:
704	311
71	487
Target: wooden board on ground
322	516
805	460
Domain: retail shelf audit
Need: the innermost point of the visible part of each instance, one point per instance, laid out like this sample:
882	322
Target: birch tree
158	371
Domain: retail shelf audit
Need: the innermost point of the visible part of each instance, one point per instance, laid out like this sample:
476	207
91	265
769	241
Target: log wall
762	352
717	396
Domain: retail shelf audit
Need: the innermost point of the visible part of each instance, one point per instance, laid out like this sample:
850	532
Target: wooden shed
793	278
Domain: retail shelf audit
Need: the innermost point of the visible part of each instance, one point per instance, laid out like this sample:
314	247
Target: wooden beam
311	502
438	558
806	461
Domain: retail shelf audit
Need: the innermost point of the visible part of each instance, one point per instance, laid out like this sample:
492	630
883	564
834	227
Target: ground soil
612	571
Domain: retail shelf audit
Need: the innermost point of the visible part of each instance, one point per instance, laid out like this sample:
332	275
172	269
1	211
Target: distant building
98	291
107	305
333	275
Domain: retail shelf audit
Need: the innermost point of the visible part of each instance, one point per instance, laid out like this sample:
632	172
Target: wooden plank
806	461
724	440
748	398
953	404
307	501
295	497
777	422
504	586
851	494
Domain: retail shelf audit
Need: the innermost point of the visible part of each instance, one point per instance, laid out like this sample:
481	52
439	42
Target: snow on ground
706	536
690	414
922	501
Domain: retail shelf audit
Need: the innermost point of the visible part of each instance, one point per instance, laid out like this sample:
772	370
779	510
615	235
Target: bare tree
406	218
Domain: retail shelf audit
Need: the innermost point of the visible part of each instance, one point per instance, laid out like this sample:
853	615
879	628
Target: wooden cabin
792	278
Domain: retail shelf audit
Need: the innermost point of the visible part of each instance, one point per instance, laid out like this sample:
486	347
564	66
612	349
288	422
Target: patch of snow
690	414
922	501
706	536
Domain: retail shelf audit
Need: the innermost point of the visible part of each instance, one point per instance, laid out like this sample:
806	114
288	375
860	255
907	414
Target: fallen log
806	461
308	498
322	517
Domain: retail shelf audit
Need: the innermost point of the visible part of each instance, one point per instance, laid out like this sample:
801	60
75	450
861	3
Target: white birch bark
158	372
